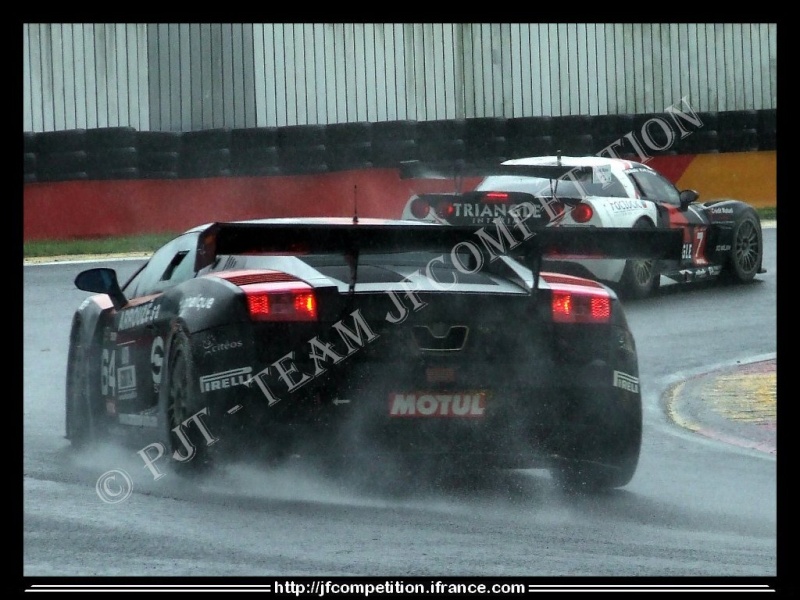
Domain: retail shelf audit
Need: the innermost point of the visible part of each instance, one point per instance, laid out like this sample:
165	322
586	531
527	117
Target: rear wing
415	169
528	244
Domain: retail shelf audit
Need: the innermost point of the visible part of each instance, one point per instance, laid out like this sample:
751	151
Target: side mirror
687	197
102	281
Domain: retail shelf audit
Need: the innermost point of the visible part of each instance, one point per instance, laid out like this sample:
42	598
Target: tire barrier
394	142
301	149
205	153
442	141
349	146
28	157
254	152
159	154
111	153
61	155
486	139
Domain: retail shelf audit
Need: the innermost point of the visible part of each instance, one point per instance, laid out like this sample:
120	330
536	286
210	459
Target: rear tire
641	277
84	418
746	248
604	455
182	402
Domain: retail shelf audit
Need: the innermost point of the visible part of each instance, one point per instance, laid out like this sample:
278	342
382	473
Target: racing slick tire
604	457
189	437
746	248
85	422
640	277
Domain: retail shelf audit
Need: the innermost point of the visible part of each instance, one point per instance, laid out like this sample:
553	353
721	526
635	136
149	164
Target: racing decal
157	361
225	379
196	303
119	382
211	345
722	248
125	354
699	245
625	205
602	174
137	316
437	405
486	213
626	382
126	382
721	210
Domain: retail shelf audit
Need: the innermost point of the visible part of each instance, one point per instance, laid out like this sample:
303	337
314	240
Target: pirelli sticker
626	382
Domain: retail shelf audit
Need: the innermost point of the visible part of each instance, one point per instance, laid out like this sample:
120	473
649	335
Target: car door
655	187
133	350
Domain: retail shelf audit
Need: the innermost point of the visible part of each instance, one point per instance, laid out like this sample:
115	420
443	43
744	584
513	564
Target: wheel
84	419
641	277
189	444
604	455
746	249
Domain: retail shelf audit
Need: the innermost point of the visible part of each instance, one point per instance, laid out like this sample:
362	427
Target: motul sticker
626	382
420	404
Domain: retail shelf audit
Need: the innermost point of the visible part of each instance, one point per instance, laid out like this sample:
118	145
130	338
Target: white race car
720	237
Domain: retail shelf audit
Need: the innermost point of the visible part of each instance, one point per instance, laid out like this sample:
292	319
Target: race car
721	238
363	337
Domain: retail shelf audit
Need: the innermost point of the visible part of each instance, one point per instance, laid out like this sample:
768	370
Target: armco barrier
116	181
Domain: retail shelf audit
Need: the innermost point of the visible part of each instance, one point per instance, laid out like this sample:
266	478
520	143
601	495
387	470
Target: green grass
110	245
145	243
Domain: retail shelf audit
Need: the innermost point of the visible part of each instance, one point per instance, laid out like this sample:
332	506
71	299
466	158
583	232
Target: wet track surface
697	505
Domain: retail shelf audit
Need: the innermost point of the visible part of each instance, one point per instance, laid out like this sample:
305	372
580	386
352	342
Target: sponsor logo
723	247
211	346
492	211
196	303
225	379
139	315
157	361
126	382
625	205
437	405
626	382
722	210
479	213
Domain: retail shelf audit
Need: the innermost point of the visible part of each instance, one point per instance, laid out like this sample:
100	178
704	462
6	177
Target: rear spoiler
415	169
529	244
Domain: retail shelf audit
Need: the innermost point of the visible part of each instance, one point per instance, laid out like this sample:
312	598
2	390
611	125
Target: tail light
274	295
444	209
582	213
420	208
574	307
295	304
496	197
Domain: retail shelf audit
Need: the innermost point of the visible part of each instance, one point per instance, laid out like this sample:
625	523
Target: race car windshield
563	188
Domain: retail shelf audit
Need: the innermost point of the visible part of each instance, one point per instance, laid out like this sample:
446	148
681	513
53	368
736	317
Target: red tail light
267	302
497	197
582	213
572	307
445	209
420	208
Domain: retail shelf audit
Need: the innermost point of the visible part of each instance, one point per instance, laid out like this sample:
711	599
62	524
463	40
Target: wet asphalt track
698	505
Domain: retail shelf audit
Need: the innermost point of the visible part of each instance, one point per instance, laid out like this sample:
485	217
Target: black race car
339	336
